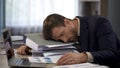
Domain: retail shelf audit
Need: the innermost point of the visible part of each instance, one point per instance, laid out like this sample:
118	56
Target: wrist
85	57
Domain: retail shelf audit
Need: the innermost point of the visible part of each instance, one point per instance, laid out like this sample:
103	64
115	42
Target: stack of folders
57	47
38	43
50	49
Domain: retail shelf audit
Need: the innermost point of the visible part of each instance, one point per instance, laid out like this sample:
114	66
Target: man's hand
72	58
22	50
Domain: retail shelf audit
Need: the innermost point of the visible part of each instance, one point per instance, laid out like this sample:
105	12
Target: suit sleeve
106	43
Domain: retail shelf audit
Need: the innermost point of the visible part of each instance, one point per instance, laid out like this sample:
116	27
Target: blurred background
27	16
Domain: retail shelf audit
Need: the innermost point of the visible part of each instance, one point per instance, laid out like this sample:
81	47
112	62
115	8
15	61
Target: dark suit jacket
102	43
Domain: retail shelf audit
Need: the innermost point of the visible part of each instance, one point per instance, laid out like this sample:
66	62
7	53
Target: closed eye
61	34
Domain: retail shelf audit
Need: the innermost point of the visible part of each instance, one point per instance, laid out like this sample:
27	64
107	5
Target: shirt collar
78	20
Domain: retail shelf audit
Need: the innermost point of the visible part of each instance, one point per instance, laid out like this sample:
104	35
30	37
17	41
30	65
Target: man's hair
50	22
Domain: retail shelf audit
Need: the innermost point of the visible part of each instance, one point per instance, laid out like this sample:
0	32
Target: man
97	42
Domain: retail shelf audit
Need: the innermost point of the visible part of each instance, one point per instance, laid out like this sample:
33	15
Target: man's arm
72	58
106	42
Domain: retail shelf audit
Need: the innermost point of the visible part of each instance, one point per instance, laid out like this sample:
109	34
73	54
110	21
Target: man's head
58	27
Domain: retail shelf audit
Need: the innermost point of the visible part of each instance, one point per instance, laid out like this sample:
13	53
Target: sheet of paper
16	38
51	59
58	52
34	59
54	59
83	65
59	45
2	52
45	60
31	44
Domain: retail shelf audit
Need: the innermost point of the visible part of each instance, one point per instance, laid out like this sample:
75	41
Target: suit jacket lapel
83	36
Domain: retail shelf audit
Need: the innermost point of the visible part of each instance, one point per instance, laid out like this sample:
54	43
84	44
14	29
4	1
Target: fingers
64	59
67	61
72	58
21	50
70	62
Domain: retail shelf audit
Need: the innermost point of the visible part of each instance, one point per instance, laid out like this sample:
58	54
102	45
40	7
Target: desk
3	57
4	64
3	61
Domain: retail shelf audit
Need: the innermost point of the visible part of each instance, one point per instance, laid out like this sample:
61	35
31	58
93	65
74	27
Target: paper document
54	59
16	38
34	59
50	59
83	65
38	60
32	44
46	49
60	45
58	52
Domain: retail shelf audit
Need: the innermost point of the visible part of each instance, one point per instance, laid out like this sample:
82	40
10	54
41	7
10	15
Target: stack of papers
51	50
62	47
58	52
54	56
51	54
36	41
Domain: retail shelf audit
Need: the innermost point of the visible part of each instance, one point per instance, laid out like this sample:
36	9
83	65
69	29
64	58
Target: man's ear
67	22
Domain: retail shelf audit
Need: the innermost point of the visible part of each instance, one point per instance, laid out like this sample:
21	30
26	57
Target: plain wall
114	15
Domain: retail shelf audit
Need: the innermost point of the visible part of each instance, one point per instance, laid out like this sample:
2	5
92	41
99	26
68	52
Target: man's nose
64	39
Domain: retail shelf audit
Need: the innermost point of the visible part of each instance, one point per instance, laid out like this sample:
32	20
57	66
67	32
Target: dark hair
50	22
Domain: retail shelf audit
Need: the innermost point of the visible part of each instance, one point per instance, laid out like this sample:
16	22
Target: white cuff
90	57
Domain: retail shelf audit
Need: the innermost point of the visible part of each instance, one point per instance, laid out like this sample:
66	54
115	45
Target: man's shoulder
97	19
93	19
92	16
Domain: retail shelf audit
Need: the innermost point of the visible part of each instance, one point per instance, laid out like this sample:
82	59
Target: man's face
64	33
